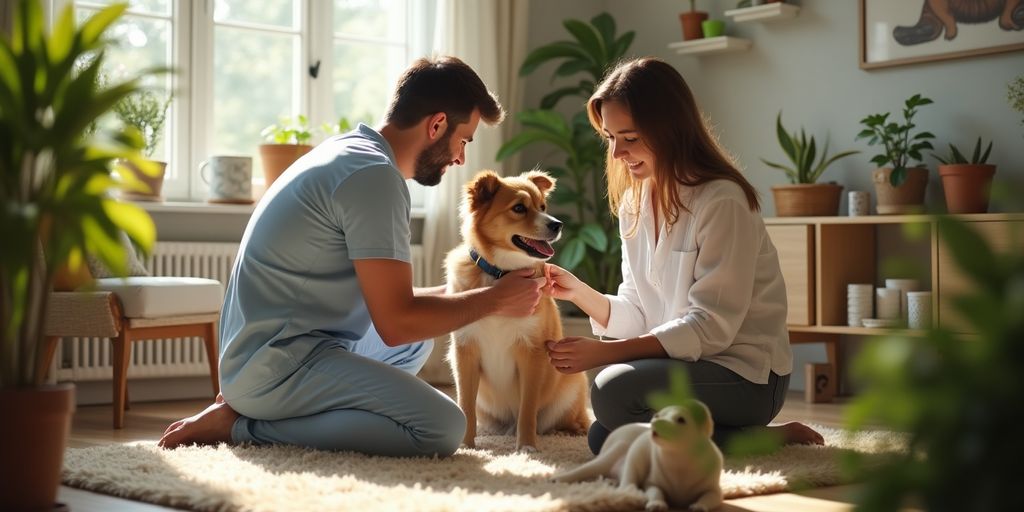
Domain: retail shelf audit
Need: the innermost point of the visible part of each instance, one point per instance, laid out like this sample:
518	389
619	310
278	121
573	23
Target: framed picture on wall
897	32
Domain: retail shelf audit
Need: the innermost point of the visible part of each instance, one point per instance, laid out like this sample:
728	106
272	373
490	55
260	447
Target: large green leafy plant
901	146
957	396
590	245
801	153
55	174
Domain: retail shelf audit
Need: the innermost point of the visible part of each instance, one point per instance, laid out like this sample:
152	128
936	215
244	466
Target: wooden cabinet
795	245
1002	236
820	256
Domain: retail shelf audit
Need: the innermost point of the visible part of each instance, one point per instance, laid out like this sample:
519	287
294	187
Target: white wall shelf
764	13
709	45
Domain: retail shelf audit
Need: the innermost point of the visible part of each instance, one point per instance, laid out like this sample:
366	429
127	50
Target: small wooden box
819	382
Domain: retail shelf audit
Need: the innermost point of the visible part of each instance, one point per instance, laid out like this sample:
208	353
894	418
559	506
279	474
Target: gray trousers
366	399
619	396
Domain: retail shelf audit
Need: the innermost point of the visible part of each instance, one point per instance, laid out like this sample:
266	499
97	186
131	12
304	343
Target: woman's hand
561	284
574	354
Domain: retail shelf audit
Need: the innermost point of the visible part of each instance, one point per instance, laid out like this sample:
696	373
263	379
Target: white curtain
490	36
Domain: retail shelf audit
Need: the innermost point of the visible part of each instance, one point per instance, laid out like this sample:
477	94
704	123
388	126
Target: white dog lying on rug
672	459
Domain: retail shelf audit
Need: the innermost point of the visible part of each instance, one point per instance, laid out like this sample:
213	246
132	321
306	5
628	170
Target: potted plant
286	142
146	112
590	243
804	196
692	21
966	183
55	180
899	188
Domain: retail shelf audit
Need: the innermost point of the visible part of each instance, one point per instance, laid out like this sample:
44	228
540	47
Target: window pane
147	6
278	13
378	19
364	76
140	43
254	84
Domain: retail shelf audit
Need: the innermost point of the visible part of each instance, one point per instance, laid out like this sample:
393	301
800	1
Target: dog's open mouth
536	248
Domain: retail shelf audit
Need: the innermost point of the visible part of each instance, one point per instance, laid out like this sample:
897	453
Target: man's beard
432	161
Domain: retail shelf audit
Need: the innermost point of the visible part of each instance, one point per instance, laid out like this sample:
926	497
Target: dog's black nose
555	226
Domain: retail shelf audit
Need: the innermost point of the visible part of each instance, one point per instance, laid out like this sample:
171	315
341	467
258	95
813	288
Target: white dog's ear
482	189
543	180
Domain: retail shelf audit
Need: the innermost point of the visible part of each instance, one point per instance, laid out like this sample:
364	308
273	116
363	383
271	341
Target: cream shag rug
490	477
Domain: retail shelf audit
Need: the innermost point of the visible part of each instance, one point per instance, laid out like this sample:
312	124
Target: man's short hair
442	84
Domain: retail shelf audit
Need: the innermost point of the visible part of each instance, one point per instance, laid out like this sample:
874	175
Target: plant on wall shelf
802	152
590	245
900	145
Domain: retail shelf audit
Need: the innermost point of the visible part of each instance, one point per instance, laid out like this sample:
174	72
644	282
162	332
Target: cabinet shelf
764	13
710	45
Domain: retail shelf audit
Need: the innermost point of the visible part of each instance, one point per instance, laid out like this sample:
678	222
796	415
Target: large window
241	65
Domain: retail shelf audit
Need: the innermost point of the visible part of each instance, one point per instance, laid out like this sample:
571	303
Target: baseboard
145	390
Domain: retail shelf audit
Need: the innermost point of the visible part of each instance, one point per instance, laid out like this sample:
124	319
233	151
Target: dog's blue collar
485	265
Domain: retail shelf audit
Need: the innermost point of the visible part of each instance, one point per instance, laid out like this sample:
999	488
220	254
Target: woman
701	289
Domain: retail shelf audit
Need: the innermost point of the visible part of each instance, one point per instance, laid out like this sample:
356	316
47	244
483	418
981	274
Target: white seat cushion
159	297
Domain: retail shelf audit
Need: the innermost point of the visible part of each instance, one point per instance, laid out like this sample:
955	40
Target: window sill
237	209
194	207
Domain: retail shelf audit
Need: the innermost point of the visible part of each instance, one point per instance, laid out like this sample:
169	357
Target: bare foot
211	426
797	433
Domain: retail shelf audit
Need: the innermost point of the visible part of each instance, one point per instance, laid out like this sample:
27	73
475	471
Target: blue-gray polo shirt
293	287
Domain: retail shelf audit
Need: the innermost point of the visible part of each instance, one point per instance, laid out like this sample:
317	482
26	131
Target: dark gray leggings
619	396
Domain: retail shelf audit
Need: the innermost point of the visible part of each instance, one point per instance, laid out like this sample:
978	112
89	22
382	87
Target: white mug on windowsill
230	179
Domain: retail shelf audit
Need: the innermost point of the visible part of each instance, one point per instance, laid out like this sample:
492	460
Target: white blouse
710	289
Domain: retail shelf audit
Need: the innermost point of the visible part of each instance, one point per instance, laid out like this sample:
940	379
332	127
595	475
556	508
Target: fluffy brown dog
502	374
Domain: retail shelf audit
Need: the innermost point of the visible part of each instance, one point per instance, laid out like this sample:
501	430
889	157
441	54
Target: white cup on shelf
919	310
888	301
859	303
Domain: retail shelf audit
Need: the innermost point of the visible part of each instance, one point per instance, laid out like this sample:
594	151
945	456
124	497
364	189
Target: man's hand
516	293
575	354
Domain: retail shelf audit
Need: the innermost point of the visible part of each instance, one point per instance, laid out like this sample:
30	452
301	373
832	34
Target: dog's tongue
540	246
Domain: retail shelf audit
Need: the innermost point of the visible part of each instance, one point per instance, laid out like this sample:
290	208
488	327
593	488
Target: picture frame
900	32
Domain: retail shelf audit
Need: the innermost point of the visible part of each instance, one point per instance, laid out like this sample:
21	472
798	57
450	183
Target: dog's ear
482	189
543	180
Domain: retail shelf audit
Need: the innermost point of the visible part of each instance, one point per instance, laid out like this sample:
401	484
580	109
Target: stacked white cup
859	303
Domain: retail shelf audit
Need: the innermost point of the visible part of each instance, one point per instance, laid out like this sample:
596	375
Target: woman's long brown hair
670	124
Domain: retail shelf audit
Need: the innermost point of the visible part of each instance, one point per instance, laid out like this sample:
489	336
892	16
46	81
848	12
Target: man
321	326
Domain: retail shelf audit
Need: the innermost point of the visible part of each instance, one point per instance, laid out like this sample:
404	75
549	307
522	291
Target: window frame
192	57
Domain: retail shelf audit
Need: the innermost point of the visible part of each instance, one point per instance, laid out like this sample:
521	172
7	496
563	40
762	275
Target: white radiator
84	359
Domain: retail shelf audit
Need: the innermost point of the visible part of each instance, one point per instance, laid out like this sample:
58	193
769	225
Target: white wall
808	68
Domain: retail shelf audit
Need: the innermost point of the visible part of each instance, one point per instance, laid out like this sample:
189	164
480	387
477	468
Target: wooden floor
146	421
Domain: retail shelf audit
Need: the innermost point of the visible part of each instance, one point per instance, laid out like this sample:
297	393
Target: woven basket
807	200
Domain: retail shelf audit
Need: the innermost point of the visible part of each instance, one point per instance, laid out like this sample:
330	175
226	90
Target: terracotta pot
904	199
277	158
33	435
807	200
967	186
155	183
692	24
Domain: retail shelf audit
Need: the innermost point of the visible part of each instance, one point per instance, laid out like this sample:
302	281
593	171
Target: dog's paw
656	506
